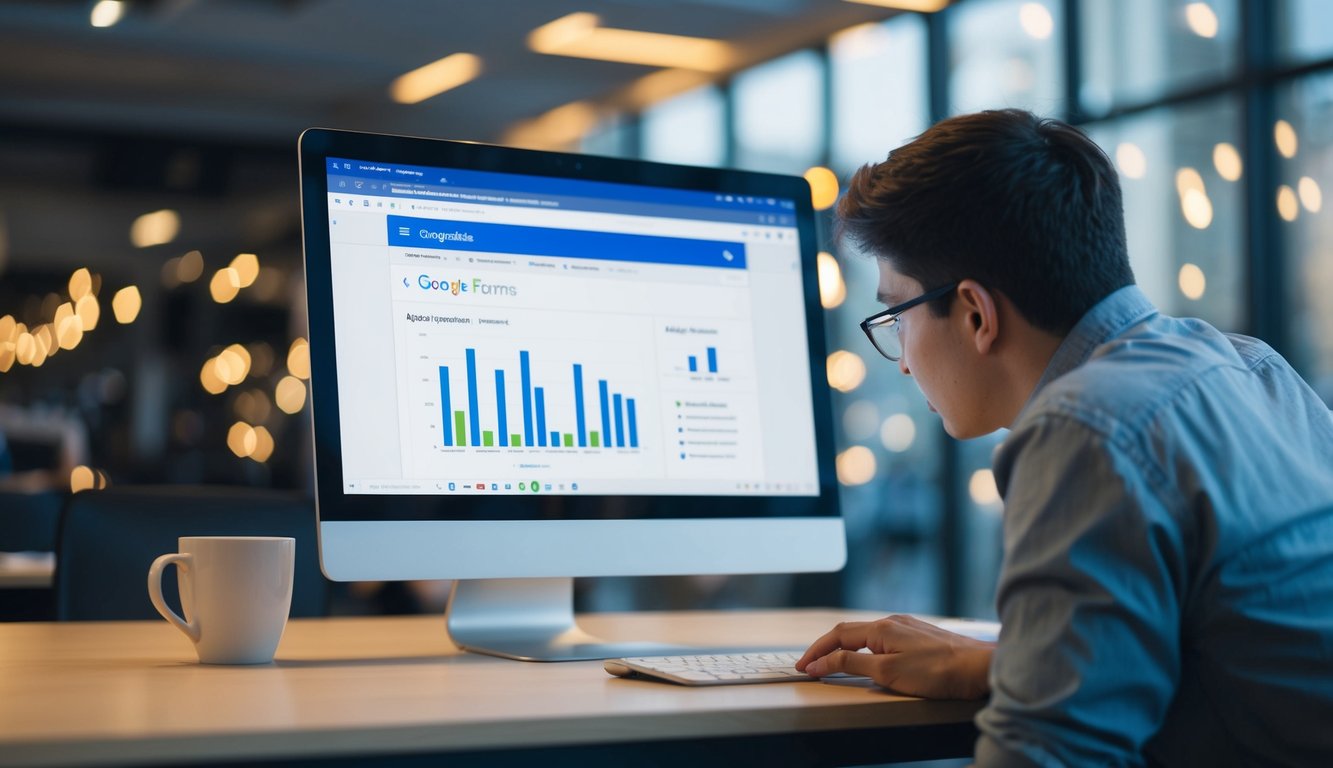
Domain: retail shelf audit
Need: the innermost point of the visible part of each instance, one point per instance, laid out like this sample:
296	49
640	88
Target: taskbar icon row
520	486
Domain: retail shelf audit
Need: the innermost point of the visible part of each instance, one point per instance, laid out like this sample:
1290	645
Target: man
1166	595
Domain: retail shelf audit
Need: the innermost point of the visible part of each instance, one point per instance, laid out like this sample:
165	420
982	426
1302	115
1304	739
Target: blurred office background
151	304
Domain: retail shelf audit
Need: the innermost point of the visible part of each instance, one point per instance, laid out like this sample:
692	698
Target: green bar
515	440
488	438
460	427
569	440
595	439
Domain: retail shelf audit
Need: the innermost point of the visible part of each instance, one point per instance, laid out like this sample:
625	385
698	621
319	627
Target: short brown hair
1026	206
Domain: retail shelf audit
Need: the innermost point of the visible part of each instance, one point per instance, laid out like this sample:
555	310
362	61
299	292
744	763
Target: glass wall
780	114
688	129
1304	29
1303	147
879	95
1006	53
1138	50
1182	178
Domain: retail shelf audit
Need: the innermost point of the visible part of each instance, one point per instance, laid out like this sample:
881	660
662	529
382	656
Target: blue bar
525	377
633	423
411	232
579	419
555	438
606	412
620	421
712	359
446	425
474	414
694	363
541	416
500	406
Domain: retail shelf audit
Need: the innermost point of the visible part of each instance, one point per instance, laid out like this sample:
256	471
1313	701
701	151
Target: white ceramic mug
236	592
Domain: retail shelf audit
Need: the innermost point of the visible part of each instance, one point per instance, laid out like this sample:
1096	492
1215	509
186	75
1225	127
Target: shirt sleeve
1089	599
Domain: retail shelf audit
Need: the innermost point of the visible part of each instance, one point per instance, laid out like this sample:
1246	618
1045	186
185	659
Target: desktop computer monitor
533	366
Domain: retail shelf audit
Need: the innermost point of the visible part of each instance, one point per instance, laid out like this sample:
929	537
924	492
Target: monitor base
531	620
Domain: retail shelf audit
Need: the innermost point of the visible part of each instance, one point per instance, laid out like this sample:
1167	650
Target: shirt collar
1109	318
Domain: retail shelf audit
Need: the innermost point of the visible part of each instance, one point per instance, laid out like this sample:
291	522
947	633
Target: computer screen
543	365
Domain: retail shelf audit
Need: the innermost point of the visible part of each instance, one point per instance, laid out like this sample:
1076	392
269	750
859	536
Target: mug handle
182	562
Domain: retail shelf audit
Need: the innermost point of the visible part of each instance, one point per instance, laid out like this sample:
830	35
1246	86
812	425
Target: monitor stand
531	620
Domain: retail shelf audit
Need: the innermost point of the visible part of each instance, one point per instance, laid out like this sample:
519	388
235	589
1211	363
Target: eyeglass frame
891	315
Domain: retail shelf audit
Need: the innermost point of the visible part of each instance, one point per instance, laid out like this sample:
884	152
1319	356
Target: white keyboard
722	669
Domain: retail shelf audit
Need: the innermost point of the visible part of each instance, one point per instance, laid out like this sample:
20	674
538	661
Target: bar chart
593	412
710	358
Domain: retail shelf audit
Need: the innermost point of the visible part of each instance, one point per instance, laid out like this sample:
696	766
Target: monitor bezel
316	145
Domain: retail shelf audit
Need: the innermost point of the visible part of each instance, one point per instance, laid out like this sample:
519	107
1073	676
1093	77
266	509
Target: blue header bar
510	184
412	232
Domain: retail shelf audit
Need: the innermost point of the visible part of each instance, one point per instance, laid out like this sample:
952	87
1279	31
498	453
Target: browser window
511	334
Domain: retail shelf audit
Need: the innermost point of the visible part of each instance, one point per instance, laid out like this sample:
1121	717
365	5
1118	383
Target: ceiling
195	105
259	71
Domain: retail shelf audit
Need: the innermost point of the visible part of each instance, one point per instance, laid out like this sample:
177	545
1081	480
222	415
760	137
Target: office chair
28	521
108	539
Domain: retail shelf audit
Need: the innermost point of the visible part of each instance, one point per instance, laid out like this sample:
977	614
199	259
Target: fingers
855	635
849	662
850	635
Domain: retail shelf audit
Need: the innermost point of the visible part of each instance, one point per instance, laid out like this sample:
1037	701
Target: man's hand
907	655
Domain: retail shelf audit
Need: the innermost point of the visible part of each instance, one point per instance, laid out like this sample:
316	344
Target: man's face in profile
938	355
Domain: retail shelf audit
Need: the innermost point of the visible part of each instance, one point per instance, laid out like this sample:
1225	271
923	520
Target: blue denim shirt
1166	596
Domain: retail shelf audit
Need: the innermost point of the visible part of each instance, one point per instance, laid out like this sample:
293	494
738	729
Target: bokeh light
856	465
125	305
1202	20
846	370
1227	161
247	269
1287	206
1192	281
241	439
290	395
298	359
1036	21
1131	160
224	286
898	432
832	289
981	487
156	228
823	187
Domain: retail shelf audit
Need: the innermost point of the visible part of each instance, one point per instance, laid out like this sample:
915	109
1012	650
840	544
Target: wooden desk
394	688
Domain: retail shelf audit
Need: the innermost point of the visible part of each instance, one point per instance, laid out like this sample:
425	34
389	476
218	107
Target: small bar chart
710	358
546	423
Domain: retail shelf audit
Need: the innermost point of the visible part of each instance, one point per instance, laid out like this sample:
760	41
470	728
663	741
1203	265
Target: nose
902	366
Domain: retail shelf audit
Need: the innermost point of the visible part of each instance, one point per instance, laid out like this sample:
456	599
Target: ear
980	313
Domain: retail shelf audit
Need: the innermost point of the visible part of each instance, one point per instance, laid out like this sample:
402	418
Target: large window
1137	50
1304	29
780	114
879	89
1303	143
1006	53
1182	178
688	129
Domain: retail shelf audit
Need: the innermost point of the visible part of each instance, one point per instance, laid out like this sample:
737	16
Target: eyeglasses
882	327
